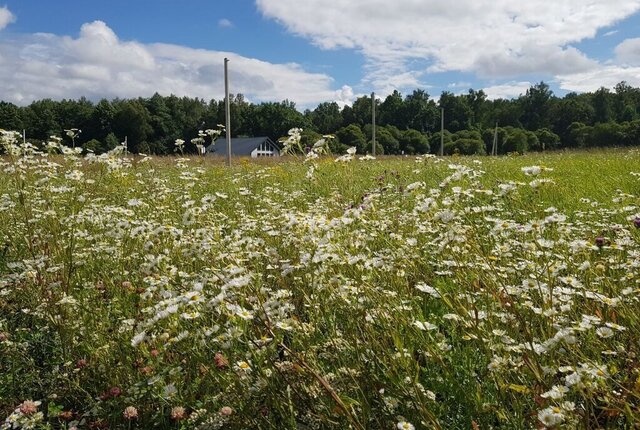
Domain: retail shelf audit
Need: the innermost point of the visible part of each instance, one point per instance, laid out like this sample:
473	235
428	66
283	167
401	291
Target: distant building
253	147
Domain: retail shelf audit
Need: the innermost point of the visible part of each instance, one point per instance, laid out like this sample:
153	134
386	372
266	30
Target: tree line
410	124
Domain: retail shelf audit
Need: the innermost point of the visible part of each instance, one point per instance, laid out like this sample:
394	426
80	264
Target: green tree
535	106
602	105
420	112
326	118
276	119
516	141
10	117
386	139
392	110
132	120
40	119
546	139
571	109
352	135
457	113
414	142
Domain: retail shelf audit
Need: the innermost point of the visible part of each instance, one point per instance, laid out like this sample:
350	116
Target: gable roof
240	146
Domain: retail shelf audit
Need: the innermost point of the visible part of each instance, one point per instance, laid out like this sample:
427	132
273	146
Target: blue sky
312	51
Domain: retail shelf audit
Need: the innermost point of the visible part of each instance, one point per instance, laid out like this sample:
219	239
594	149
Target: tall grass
397	293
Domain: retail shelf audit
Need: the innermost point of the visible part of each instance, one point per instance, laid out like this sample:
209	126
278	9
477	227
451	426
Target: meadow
398	293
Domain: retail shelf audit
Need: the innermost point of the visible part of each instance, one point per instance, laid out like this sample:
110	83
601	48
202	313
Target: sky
313	51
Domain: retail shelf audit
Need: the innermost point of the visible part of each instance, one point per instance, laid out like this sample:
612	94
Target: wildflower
178	413
115	392
427	289
604	332
242	366
551	416
81	363
555	393
636	222
130	413
225	411
29	407
66	415
403	425
600	241
169	391
220	360
572	379
425	326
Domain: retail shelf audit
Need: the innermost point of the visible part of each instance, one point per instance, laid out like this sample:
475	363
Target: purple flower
600	241
636	222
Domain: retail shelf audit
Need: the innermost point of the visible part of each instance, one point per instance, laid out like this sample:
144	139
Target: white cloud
460	85
225	23
628	52
493	39
507	91
625	67
6	17
98	64
604	76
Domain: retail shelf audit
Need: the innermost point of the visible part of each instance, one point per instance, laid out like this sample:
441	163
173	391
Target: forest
406	124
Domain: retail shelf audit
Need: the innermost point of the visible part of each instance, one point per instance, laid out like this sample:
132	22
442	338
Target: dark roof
240	146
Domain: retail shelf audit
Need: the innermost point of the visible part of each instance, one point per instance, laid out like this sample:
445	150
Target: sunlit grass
433	293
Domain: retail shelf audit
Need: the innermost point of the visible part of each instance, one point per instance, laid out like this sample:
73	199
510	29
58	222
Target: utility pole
441	132
373	122
227	107
494	148
24	136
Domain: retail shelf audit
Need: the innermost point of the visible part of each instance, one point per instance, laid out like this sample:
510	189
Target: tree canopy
537	120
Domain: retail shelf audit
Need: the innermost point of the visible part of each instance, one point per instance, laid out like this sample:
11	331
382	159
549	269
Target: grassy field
401	293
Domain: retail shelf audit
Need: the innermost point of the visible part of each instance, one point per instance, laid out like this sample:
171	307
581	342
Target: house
245	147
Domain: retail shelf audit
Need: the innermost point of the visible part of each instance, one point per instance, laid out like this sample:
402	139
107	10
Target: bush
93	145
546	139
516	141
465	146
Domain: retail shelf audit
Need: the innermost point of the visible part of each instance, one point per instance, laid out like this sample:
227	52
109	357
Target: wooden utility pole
373	123
227	107
441	132
494	148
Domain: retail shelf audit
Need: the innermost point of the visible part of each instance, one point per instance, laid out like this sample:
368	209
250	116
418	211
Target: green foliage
546	140
154	123
352	135
517	140
414	142
93	145
385	137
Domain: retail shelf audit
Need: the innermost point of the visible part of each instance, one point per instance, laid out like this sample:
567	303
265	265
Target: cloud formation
607	76
497	39
6	17
507	91
98	64
225	23
628	52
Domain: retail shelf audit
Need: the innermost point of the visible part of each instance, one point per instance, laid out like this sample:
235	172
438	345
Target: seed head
28	407
130	413
178	413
